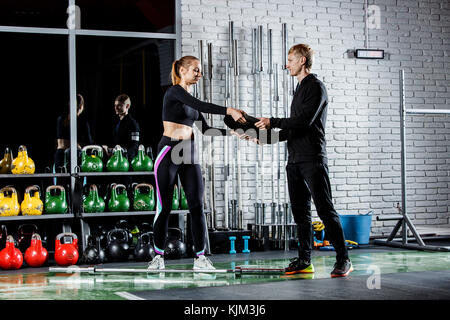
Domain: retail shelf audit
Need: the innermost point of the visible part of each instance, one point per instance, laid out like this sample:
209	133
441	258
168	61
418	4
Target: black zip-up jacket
304	130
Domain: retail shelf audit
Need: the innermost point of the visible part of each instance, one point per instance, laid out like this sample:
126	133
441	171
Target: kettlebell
3	236
36	255
10	258
22	164
32	204
92	162
144	200
93	202
175	198
24	234
175	248
183	202
118	247
55	203
66	254
119	201
144	248
9	205
142	162
118	162
90	254
100	250
6	162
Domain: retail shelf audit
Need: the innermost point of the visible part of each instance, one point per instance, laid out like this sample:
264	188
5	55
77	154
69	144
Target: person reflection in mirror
126	128
62	155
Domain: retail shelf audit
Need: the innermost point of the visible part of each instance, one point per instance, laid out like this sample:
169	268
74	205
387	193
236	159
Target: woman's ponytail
174	74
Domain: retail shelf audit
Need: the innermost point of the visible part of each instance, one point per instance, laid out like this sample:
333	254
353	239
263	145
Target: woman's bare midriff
177	131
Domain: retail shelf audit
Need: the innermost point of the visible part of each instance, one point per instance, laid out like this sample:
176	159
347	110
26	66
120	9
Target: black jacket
304	130
126	134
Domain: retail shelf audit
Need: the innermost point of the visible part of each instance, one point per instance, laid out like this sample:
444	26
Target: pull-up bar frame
404	222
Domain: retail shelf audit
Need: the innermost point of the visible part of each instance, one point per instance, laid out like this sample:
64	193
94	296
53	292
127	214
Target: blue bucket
357	227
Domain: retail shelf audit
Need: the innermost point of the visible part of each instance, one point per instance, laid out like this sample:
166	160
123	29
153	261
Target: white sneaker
157	263
203	262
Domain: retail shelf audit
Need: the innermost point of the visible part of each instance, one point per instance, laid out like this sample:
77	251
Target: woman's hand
236	114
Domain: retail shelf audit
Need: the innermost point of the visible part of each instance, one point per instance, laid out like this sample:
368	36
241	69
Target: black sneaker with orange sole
342	268
299	266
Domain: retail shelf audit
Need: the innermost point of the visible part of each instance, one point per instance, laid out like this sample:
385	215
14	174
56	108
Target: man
307	170
126	131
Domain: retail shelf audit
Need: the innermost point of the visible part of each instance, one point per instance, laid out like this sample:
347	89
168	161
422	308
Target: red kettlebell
66	254
10	258
36	255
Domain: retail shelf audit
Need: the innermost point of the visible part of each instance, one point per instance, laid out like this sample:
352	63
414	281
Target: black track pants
178	157
306	179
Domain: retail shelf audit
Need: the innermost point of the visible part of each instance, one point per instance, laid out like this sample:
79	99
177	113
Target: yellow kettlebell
9	205
23	164
32	204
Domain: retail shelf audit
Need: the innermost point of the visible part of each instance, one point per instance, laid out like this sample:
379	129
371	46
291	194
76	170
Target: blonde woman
176	155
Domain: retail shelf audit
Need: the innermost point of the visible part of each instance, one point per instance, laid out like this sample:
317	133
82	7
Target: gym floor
381	273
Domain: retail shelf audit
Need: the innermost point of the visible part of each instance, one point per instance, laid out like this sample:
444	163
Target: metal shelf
38	217
126	213
35	175
108	173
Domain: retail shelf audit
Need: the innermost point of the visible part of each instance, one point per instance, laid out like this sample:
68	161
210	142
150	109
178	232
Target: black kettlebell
175	248
144	248
100	250
24	234
123	224
118	247
3	235
90	254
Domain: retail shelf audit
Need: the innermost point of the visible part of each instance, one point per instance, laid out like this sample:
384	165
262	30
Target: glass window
110	66
32	13
34	92
127	15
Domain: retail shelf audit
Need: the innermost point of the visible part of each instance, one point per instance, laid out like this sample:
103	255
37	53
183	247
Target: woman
176	155
63	133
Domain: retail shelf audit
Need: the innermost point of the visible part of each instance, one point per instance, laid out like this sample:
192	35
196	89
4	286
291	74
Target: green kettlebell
92	162
183	202
55	203
93	203
142	162
144	201
118	202
117	162
175	198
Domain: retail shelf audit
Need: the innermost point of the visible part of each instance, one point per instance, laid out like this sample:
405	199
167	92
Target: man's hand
245	136
263	123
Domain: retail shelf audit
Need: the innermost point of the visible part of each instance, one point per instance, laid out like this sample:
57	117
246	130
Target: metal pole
212	199
202	96
403	153
226	167
276	98
236	105
73	104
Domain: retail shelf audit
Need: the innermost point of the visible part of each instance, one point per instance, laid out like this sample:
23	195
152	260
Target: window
32	13
127	15
139	67
34	92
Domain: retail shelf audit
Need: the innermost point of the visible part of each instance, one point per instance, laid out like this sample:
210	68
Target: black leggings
308	179
178	157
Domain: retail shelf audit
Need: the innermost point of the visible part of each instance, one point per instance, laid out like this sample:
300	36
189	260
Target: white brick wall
363	117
